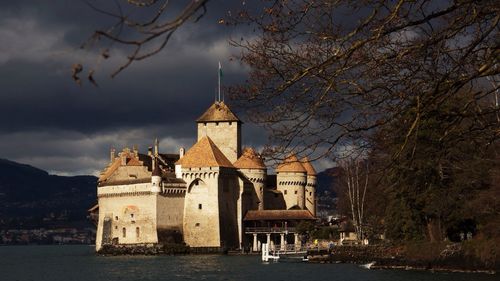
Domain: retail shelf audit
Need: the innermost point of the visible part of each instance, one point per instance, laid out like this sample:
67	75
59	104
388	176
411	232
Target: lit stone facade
292	186
127	215
199	197
226	135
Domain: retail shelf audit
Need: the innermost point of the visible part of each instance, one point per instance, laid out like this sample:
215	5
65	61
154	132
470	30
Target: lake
74	263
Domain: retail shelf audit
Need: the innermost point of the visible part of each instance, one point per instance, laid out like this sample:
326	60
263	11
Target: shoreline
374	266
390	257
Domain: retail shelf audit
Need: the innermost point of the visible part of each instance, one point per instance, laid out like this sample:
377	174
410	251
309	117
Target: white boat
368	265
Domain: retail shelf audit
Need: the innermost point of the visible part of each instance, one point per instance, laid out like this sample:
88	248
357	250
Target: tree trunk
434	232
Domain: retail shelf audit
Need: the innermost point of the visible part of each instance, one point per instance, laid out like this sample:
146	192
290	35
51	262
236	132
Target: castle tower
310	186
223	127
252	167
291	181
210	206
156	177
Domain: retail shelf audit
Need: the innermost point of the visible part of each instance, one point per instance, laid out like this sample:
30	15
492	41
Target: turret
112	155
291	181
157	144
251	165
156	177
178	167
310	186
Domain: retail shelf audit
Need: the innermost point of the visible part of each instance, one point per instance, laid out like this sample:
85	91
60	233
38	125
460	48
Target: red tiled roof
308	166
219	111
256	215
204	154
249	160
291	164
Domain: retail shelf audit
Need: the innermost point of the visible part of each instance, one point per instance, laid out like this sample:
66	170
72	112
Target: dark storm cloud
50	122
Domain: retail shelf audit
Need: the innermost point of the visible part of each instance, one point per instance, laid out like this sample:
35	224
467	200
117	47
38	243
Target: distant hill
31	198
327	180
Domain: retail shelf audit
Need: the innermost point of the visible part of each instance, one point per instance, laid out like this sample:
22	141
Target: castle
204	197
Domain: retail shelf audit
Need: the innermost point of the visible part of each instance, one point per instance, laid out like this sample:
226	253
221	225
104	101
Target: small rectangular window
124	232
295	191
197	224
199	206
116	217
132	215
285	191
216	123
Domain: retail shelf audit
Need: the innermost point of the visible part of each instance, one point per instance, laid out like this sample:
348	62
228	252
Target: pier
276	252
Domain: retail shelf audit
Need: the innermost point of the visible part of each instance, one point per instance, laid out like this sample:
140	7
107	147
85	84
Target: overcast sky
50	122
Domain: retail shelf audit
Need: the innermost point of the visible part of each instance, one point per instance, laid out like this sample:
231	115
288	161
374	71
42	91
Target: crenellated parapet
291	181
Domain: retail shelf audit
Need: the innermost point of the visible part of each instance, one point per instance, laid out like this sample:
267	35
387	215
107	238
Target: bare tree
323	73
145	26
355	175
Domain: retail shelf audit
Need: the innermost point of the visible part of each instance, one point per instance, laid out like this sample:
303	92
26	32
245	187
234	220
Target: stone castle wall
170	215
201	208
226	135
255	179
292	185
228	209
127	215
311	194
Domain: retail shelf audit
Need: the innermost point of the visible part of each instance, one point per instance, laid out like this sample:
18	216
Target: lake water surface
54	263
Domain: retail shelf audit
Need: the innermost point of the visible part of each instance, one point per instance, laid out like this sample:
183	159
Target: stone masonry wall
226	135
132	216
201	208
292	185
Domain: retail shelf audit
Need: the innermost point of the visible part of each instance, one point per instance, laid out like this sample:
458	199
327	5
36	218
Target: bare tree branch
152	28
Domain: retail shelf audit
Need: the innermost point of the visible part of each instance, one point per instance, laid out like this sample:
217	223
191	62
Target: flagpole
218	75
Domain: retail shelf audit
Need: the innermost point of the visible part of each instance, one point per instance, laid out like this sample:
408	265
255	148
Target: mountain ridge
31	197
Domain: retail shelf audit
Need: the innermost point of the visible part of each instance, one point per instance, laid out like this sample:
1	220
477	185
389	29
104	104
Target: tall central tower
223	127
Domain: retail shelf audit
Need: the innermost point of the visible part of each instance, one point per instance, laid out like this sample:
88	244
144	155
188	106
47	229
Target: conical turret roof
308	166
249	160
218	112
291	164
204	154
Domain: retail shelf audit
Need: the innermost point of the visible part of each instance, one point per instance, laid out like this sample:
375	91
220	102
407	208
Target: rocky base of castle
144	249
392	257
157	249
